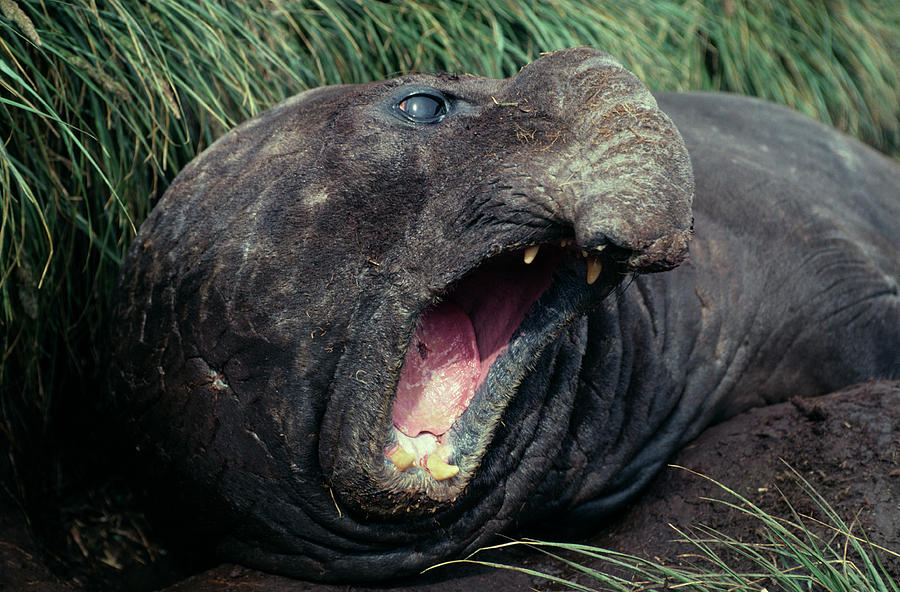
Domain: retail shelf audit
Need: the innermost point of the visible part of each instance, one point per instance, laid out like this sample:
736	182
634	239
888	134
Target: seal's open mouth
456	343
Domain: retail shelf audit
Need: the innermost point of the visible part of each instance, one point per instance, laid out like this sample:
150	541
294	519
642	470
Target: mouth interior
456	341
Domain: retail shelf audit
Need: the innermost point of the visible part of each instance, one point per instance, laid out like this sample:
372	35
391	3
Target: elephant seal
377	324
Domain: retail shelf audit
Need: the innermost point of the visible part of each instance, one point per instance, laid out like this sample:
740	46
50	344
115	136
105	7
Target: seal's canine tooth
440	469
401	458
594	267
531	253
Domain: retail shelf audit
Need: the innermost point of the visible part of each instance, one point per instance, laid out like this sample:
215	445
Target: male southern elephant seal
379	323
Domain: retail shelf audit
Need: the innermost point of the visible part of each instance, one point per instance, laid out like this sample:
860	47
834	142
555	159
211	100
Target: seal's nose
627	178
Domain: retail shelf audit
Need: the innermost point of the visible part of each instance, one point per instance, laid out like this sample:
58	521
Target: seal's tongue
440	374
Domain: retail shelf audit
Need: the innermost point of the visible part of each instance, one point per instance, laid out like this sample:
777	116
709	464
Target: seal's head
351	326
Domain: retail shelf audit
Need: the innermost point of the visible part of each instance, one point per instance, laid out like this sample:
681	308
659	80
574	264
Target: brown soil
846	445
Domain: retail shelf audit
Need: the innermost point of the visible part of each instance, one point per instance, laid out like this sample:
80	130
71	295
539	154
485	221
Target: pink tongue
440	373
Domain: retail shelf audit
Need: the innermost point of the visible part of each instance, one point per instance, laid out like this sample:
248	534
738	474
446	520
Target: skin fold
743	255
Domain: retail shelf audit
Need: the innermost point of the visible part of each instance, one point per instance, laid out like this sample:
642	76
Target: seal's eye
423	108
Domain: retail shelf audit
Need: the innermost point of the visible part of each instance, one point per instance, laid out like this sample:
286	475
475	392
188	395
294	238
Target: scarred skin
267	303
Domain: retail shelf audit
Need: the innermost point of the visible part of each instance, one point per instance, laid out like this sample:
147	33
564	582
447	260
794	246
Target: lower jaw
491	430
528	433
453	349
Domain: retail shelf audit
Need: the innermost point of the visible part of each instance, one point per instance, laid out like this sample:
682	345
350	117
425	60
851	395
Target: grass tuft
796	553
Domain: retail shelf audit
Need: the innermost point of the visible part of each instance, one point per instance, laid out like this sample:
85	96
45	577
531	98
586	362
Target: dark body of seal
328	330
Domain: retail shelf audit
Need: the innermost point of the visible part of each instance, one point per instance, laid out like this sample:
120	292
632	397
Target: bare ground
846	445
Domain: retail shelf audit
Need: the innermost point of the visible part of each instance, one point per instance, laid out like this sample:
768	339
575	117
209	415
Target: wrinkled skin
268	302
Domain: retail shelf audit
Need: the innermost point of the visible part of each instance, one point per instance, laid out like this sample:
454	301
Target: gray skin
267	303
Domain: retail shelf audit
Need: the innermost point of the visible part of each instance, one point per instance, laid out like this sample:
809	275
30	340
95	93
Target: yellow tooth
566	242
531	253
401	458
594	267
599	248
439	469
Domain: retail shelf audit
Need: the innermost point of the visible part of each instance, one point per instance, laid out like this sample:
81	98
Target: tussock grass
794	553
102	102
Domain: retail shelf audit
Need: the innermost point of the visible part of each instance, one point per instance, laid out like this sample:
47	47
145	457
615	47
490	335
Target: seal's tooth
531	253
566	242
401	458
594	267
439	469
